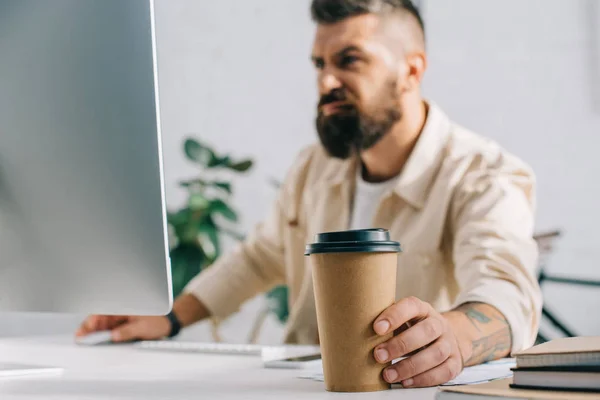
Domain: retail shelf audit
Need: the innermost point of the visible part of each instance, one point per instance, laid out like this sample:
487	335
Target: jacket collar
422	165
424	161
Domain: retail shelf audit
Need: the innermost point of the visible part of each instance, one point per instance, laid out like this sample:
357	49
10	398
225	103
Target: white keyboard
266	352
202	347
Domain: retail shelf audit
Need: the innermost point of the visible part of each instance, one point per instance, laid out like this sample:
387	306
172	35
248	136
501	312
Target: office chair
546	242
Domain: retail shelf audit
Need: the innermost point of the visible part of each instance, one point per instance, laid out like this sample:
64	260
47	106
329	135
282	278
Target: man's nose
328	82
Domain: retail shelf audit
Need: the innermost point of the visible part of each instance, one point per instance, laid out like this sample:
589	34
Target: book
572	351
501	390
580	378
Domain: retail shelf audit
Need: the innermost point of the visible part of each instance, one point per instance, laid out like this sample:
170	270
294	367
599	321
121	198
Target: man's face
358	79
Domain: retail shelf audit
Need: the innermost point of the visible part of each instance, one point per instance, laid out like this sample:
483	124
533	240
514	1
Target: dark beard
348	132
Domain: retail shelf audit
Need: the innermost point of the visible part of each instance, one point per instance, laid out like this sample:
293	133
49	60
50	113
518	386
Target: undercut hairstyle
332	11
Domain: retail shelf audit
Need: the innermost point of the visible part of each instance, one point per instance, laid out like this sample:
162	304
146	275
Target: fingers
89	325
428	345
97	323
127	332
107	323
410	340
439	375
431	357
400	313
142	328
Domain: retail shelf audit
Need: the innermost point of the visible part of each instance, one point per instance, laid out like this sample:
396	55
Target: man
462	208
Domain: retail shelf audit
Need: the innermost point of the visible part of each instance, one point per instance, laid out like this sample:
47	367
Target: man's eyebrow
340	53
348	49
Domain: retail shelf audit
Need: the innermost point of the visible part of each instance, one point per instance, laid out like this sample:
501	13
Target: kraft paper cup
354	278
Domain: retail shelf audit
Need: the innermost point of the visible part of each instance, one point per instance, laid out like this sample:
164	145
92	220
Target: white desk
120	372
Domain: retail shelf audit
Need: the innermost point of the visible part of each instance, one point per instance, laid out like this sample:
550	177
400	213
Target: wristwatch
175	324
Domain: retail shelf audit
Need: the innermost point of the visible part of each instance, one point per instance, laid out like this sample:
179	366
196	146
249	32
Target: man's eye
348	60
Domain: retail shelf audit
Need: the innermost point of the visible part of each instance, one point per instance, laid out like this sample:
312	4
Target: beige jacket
463	211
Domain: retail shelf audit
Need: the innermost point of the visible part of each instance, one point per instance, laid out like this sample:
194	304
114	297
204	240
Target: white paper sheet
492	370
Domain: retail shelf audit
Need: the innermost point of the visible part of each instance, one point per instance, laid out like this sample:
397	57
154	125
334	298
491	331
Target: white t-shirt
367	197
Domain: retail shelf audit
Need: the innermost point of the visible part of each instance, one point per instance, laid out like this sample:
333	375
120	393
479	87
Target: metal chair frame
546	241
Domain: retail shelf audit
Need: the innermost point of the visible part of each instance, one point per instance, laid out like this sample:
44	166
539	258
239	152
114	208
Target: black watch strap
175	324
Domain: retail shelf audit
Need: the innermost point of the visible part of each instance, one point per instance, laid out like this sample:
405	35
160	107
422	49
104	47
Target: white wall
236	74
526	73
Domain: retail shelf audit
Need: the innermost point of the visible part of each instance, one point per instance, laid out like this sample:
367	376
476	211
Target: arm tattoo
492	339
490	347
475	315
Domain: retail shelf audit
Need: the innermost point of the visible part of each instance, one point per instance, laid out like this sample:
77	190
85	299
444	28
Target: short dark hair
332	11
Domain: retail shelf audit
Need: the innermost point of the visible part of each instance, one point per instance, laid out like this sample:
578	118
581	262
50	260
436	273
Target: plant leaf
197	152
241	166
226	186
178	218
180	221
185	224
187	260
219	206
278	303
198	202
209	237
193	182
219	162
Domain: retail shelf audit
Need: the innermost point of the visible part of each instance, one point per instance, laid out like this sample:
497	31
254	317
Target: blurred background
235	76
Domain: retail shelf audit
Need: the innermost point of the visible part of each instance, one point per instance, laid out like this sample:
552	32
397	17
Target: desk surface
120	372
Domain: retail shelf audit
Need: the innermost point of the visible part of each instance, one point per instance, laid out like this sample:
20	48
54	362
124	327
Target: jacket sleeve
257	263
495	255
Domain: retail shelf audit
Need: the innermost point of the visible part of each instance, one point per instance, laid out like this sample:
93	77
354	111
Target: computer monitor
82	207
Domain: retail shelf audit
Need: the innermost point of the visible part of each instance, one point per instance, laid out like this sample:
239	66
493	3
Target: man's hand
438	346
187	308
427	339
126	328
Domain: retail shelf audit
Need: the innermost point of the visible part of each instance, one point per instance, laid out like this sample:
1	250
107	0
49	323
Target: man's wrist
464	338
189	310
482	331
174	324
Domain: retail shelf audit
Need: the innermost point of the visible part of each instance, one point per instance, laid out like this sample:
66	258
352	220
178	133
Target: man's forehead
354	31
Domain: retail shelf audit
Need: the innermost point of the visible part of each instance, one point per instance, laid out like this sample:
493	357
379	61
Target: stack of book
562	364
561	369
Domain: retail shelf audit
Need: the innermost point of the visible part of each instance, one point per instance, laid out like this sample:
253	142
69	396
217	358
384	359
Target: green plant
278	297
278	303
196	230
196	241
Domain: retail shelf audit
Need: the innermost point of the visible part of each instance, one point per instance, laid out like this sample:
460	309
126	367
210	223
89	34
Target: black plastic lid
356	241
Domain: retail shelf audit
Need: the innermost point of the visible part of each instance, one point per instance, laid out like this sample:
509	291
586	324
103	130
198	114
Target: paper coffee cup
354	278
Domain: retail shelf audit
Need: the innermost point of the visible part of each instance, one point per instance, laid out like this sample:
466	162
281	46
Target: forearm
482	332
189	310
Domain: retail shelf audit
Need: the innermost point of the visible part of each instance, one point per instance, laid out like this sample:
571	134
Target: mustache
333	96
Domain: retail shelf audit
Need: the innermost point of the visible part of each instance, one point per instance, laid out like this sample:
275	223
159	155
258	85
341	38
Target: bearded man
461	206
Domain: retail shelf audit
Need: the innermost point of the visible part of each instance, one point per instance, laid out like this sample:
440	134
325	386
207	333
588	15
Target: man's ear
415	66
